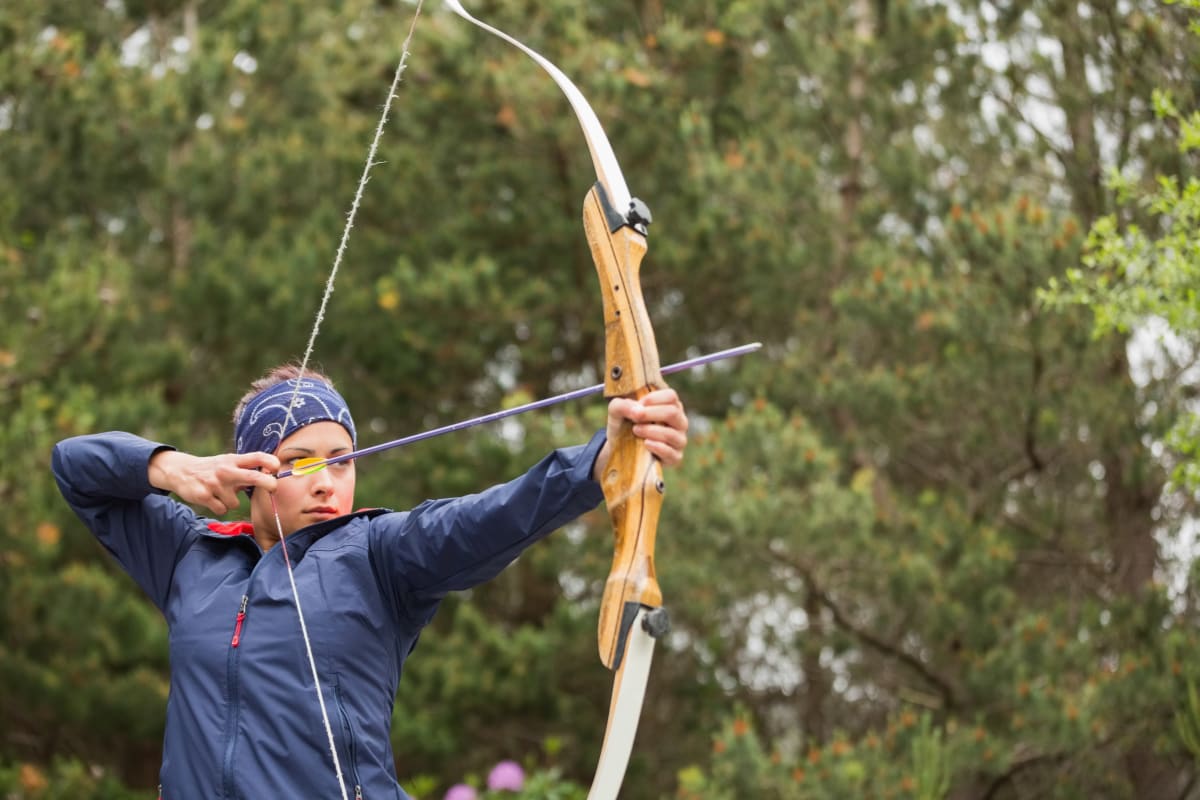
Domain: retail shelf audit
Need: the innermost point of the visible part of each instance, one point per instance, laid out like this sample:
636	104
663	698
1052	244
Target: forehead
319	437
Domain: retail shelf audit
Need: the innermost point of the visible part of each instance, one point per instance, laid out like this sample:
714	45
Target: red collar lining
232	528
247	529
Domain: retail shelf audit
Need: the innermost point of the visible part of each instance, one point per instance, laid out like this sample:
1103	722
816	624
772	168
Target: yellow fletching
307	466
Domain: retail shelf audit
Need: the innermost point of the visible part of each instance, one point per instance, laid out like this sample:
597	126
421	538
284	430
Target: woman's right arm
105	478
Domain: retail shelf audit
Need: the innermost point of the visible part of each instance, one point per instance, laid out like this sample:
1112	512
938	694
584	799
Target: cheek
288	492
260	505
345	492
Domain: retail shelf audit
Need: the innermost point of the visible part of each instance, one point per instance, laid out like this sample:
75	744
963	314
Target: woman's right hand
212	481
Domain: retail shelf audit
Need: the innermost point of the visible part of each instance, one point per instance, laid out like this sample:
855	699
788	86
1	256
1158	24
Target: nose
321	482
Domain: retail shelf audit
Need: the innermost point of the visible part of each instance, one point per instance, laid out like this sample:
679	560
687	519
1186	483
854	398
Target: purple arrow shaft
732	352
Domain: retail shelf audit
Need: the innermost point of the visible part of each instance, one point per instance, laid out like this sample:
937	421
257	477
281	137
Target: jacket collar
298	541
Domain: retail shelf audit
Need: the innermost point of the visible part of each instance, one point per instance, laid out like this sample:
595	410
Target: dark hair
273	376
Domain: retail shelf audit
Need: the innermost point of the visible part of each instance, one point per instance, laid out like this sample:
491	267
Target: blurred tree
916	542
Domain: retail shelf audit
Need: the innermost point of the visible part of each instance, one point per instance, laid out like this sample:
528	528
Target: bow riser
630	351
633	480
632	583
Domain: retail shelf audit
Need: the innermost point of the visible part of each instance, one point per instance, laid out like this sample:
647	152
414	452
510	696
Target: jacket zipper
232	683
351	747
241	617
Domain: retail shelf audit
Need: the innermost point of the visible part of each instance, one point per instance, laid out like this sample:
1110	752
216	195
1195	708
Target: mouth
326	511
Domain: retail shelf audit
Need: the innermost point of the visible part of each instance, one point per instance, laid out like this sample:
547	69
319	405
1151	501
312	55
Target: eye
307	466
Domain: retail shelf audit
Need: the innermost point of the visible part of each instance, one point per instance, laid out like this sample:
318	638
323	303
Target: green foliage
931	772
915	547
1187	721
439	723
1134	277
64	779
1142	266
913	759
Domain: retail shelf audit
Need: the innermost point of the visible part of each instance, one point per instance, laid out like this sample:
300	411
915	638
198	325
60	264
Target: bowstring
308	350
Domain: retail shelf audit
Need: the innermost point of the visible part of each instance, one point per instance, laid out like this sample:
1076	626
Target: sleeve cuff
587	462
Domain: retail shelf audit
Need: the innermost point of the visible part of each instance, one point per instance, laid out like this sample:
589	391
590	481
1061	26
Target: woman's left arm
454	544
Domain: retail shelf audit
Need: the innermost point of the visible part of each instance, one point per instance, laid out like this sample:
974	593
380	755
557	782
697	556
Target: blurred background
936	540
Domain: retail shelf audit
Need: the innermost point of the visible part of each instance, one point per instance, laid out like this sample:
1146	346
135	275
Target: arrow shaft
494	416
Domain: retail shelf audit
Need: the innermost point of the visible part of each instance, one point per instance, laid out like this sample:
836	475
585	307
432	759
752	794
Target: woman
243	718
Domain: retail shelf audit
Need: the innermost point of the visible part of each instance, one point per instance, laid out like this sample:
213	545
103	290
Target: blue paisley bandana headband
264	422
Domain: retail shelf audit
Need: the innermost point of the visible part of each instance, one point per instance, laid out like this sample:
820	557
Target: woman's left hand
658	419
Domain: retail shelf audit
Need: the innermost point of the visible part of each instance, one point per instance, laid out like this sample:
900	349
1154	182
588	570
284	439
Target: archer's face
304	500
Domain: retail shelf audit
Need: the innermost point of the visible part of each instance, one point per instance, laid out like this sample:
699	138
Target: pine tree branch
890	649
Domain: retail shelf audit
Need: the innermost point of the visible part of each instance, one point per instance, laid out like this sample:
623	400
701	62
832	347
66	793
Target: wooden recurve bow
631	612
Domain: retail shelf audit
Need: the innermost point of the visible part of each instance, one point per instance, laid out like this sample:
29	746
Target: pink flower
460	791
506	775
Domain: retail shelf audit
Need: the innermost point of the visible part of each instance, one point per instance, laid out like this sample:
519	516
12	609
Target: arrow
307	466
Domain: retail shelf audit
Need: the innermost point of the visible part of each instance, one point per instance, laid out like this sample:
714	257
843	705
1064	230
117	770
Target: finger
658	397
216	506
666	412
671	415
661	434
265	481
263	461
665	417
237	473
669	456
622	408
251	479
227	498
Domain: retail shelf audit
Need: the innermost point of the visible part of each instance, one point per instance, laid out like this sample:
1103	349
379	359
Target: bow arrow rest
637	217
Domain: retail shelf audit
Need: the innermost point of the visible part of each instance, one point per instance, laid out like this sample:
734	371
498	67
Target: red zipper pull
237	630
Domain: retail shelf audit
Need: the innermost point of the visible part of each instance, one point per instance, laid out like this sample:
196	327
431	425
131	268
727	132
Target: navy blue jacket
243	721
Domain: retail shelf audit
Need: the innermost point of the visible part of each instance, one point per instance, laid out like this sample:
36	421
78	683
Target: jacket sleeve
450	545
104	479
